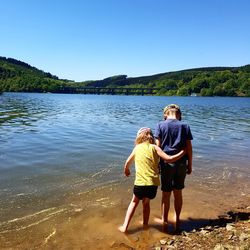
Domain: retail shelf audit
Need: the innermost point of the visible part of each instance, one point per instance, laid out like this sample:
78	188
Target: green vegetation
219	81
18	76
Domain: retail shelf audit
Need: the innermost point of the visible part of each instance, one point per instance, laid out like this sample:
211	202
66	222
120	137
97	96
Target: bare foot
158	220
164	224
122	229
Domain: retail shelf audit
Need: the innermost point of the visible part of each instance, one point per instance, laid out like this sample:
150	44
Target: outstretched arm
128	163
169	158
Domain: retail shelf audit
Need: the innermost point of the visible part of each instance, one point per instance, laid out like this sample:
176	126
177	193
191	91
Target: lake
54	147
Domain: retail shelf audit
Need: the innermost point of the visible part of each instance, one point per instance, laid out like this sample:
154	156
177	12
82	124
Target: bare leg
165	204
130	212
146	211
177	206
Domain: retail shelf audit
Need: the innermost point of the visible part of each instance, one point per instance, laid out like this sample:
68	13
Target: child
146	156
172	135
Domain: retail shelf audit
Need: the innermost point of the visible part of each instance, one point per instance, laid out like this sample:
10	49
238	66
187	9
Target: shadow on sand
138	238
197	224
222	220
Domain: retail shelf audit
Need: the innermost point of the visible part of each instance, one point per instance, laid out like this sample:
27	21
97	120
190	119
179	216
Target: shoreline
229	231
94	217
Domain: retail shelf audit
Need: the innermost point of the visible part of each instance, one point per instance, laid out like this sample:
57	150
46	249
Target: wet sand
89	220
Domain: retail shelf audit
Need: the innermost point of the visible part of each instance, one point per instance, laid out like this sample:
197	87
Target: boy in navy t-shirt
173	135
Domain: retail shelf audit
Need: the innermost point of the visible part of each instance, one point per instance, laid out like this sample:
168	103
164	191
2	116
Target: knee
135	200
177	193
146	202
166	196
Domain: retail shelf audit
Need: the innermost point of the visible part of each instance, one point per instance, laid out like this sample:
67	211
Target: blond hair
144	135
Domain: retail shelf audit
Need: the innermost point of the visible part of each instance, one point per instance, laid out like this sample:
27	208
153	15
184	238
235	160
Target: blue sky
94	39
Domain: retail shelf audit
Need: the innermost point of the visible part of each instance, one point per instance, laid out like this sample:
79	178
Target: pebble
170	242
184	233
230	226
204	232
163	242
219	247
188	239
209	228
244	236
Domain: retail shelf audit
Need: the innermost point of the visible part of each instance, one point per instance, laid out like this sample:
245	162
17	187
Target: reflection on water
56	146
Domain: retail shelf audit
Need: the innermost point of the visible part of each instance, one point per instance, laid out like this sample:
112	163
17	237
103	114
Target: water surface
55	146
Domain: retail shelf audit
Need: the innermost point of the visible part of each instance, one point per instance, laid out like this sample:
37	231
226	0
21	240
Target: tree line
18	76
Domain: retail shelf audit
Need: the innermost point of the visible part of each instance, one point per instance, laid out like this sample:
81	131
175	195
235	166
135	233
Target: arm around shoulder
169	158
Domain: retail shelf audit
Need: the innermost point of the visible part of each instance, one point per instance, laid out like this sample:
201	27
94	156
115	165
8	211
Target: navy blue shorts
173	175
145	192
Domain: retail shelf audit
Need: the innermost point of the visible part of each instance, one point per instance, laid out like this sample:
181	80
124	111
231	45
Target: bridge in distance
116	91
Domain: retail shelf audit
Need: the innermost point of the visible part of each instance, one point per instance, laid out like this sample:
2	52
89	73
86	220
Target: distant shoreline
19	76
120	94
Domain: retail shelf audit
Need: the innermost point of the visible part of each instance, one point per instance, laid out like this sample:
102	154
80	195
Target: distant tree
183	91
162	91
245	88
206	92
198	83
219	91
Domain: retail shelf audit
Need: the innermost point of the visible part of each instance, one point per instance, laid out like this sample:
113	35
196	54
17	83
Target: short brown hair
172	108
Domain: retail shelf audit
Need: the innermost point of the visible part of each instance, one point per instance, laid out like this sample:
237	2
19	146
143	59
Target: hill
18	76
210	81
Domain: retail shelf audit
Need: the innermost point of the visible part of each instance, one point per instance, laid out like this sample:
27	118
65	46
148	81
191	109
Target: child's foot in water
122	229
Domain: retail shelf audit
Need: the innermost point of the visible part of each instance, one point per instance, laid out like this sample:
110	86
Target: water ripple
56	144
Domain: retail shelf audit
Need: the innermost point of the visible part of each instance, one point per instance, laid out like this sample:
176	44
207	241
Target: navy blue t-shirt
173	135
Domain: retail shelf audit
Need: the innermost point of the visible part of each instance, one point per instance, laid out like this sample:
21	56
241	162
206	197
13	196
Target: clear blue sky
93	39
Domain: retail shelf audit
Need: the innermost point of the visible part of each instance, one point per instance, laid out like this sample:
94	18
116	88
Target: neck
171	116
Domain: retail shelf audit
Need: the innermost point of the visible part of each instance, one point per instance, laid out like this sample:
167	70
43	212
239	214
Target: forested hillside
213	81
216	81
18	76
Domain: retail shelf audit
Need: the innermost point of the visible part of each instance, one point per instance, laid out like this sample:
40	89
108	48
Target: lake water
55	146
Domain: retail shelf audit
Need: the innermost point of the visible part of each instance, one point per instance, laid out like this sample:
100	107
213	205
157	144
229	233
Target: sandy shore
94	216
